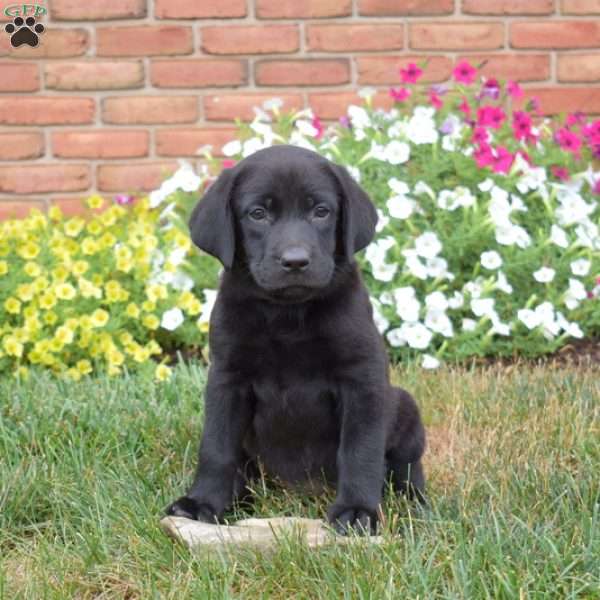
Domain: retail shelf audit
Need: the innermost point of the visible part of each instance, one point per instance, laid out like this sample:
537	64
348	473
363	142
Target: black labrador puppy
298	380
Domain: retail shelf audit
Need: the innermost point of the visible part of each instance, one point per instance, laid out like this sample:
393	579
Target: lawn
514	481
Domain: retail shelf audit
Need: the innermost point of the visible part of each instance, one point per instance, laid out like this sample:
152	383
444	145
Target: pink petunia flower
514	89
228	163
491	89
483	155
411	74
522	125
490	116
435	100
316	123
124	199
559	172
568	141
400	94
596	189
464	72
503	160
465	108
480	135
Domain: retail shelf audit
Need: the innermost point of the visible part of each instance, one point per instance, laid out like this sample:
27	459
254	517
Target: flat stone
258	533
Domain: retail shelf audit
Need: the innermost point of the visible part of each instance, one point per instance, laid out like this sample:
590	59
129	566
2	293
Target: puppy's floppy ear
359	216
211	223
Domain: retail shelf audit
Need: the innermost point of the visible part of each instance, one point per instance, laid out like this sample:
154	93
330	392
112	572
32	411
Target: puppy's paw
191	509
359	519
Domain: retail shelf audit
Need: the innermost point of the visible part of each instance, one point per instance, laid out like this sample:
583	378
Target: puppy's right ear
211	223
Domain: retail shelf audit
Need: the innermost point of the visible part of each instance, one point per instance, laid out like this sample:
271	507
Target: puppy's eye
321	212
258	214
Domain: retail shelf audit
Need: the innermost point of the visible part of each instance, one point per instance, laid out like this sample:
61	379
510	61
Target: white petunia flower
396	152
414	265
491	260
382	221
400	188
359	117
422	188
307	128
272	104
367	92
428	245
482	306
401	207
417	335
580	267
575	294
232	148
396	337
380	321
409	311
436	301
544	275
251	146
456	301
559	237
528	317
437	267
210	297
469	324
448	200
354	173
438	321
486	185
172	319
430	362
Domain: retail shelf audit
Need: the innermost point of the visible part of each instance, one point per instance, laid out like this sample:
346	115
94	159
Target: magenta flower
483	155
124	199
596	190
522	125
411	74
576	118
345	121
568	141
464	72
316	123
465	108
490	116
435	100
400	94
514	89
491	89
228	163
559	172
480	135
502	160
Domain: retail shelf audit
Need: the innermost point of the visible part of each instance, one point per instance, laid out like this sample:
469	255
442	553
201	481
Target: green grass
513	466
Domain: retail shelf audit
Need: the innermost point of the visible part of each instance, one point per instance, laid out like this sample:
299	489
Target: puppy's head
289	216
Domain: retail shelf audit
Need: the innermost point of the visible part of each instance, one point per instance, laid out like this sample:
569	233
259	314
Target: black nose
295	259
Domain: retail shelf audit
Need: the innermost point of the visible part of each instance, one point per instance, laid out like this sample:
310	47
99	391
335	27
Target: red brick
456	36
386	69
196	73
555	34
71	206
186	142
19	77
46	110
195	9
302	9
581	7
583	68
97	10
21	145
518	67
227	107
350	38
241	39
54	43
132	178
508	7
562	99
150	109
19	209
392	8
146	40
102	143
302	72
332	105
36	178
102	75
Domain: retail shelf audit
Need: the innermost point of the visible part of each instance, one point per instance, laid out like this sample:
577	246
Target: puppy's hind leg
403	456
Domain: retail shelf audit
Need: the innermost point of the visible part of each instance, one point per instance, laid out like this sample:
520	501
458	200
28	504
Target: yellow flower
123	252
56	345
113	370
94	227
21	372
85	322
12	305
64	335
55	213
32	325
32	269
124	264
84	366
108	240
3	267
95	201
73	374
80	267
65	291
25	292
88	289
40	284
115	357
12	346
153	347
148	306
60	273
202	326
84	339
141	354
132	311
162	372
99	317
89	246
50	317
156	291
74	226
47	300
126	338
151	321
28	251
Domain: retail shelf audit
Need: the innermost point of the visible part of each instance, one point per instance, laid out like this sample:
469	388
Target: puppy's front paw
360	519
191	509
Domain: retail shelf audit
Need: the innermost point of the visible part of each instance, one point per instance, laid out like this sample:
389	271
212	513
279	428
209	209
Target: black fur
298	380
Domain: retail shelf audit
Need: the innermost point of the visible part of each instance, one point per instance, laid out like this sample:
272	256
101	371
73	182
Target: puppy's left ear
211	223
359	216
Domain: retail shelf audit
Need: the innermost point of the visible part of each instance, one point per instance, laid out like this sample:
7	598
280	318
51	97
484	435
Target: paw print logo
24	32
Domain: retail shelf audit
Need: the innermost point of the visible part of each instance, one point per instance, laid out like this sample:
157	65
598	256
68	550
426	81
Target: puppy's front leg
360	460
228	414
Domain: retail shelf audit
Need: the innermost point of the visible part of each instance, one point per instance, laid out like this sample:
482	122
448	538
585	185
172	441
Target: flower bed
487	242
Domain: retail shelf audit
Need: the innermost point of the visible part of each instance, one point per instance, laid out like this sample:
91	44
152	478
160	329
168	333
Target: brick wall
119	89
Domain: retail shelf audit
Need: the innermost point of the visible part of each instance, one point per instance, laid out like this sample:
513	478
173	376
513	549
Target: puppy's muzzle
295	259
